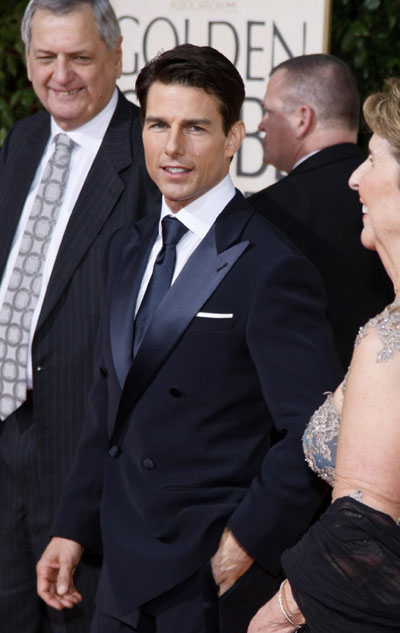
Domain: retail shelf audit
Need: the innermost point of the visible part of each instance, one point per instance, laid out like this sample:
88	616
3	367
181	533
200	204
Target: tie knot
63	142
172	231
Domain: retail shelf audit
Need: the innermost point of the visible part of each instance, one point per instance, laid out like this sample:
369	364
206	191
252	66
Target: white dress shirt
88	139
198	217
303	158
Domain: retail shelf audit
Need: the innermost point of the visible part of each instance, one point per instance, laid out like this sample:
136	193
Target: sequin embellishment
320	440
387	326
321	434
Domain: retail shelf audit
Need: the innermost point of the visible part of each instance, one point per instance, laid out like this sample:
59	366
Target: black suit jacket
117	191
176	444
319	212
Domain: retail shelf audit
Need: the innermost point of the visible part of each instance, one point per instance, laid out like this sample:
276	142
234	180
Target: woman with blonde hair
344	574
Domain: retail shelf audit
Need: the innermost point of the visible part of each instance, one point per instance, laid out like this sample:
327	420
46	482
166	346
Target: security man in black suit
310	124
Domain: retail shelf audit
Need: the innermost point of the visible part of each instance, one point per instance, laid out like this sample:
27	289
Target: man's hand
229	562
55	571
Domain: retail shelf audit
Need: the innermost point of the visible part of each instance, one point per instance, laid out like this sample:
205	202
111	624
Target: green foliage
365	34
17	98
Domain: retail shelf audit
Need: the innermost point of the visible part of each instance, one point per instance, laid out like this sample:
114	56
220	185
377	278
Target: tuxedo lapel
18	180
132	264
96	201
201	275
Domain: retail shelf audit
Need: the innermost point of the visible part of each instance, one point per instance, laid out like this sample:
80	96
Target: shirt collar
90	134
200	215
303	158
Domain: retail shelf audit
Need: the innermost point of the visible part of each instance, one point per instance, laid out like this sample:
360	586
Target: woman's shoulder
381	334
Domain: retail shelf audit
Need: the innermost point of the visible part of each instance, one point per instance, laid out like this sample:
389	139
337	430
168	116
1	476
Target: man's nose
261	125
175	143
61	71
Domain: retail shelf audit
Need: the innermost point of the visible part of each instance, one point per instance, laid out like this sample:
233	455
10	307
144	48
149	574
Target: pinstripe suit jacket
116	192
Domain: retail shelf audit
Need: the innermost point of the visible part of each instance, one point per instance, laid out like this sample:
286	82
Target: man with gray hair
69	177
311	124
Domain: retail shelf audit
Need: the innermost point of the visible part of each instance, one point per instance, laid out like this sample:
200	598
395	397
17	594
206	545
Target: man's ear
305	119
234	138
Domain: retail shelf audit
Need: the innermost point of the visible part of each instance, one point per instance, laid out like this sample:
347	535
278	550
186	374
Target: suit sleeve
4	149
291	345
78	512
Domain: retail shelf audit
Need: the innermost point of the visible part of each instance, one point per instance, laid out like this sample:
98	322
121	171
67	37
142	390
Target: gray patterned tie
26	279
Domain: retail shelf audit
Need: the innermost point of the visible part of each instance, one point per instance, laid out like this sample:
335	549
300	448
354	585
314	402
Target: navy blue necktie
160	281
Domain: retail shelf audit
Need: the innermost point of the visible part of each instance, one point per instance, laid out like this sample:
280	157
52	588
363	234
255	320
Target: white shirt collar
90	134
200	215
303	158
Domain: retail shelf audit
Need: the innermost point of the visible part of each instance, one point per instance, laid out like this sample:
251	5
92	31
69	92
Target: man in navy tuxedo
174	471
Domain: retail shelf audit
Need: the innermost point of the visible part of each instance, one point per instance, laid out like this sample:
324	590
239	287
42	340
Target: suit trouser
194	606
24	533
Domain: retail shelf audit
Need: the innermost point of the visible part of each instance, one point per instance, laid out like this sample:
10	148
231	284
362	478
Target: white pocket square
215	315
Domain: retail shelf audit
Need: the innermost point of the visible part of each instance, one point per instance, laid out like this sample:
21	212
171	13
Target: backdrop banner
255	35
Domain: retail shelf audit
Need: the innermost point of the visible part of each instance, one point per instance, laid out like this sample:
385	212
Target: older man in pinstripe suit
73	50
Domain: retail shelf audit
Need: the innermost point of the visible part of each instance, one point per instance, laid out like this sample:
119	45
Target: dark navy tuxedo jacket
176	444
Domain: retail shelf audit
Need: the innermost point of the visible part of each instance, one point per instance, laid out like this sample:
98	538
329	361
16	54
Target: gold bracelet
284	609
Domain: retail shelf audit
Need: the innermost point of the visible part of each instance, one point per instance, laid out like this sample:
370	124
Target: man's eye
158	125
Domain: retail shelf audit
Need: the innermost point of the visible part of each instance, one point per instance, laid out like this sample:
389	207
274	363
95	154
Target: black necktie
160	281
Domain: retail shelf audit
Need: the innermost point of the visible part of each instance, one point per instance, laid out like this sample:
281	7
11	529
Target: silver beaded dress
321	434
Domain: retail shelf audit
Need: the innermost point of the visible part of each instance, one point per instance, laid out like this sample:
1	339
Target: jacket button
148	464
114	451
39	368
175	392
103	371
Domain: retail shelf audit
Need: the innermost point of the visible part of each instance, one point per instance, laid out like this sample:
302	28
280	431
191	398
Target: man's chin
68	118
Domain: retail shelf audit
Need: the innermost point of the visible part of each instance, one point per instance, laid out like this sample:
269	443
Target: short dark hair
197	67
326	83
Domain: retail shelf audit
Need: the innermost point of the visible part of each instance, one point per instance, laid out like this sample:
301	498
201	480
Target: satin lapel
96	201
199	278
18	175
132	264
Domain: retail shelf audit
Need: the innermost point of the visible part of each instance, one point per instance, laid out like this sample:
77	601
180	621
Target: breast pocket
213	322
